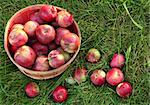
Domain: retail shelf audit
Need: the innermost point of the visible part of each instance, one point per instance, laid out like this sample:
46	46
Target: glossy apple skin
45	34
93	55
56	59
70	42
64	18
60	32
60	94
117	61
30	28
80	75
114	76
17	26
32	89
40	49
25	56
41	63
35	17
48	13
98	77
17	37
65	54
124	89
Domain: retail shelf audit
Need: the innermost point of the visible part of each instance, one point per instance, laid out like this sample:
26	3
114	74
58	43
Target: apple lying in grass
98	77
39	48
64	18
45	34
60	94
25	56
32	89
114	76
93	55
48	13
80	75
17	26
124	89
56	59
70	42
30	28
60	32
118	60
17	37
35	17
41	63
70	80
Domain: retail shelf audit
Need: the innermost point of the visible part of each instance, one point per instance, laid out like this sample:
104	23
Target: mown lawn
108	25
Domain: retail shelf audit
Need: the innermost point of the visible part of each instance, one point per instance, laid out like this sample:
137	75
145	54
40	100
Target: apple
80	75
64	18
114	76
32	89
93	55
25	56
17	37
40	49
124	89
35	17
48	13
60	32
98	77
65	54
70	42
41	63
17	26
56	59
117	61
60	94
70	80
30	28
45	34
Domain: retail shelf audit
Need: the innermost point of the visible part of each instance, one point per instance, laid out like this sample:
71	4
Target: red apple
13	49
80	75
32	89
17	37
45	34
48	13
64	18
60	32
114	76
93	55
98	77
41	63
40	49
35	17
118	60
17	26
56	59
70	42
60	94
52	46
25	56
30	28
124	89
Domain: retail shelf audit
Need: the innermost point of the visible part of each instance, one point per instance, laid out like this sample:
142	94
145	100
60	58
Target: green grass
108	25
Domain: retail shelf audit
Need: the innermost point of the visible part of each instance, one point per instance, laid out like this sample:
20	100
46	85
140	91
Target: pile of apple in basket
39	45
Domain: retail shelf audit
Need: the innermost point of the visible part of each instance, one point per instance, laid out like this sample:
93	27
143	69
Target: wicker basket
22	16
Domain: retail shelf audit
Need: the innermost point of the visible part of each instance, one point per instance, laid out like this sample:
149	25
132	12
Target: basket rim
31	70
